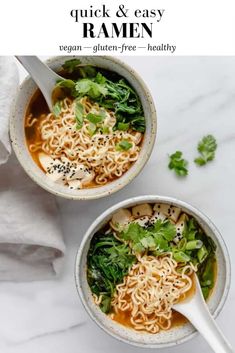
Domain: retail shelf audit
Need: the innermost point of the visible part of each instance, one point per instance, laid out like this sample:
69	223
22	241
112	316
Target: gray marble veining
194	96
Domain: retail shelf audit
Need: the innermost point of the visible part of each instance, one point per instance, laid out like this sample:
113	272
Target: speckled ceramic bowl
175	335
26	91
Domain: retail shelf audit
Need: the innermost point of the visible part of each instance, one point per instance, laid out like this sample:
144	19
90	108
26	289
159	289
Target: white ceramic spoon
196	311
43	76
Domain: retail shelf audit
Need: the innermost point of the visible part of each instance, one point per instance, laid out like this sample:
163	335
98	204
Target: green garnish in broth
115	95
112	253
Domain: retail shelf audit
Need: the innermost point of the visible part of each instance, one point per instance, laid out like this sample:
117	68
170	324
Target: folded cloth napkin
31	241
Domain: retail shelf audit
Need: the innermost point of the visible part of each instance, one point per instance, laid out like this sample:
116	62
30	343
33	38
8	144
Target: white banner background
195	27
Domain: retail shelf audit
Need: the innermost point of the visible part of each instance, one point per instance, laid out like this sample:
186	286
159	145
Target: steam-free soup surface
143	261
95	132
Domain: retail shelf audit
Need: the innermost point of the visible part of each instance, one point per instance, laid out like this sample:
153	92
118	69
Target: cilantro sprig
178	163
156	238
206	147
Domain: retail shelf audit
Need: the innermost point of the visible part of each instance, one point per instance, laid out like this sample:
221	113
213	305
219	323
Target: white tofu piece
156	216
121	219
55	176
180	227
65	159
144	209
170	211
89	176
142	221
77	171
75	184
46	161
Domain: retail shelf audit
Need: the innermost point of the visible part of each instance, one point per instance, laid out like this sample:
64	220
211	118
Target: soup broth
95	132
144	261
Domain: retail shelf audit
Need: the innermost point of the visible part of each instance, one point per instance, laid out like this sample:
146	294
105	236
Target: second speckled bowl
175	335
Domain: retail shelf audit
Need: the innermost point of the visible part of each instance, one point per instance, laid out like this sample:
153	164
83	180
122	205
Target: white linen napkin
31	241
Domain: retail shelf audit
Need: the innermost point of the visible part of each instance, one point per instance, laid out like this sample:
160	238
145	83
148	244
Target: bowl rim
124	182
152	198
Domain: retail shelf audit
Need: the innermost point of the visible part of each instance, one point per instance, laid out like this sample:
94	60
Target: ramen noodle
94	134
143	262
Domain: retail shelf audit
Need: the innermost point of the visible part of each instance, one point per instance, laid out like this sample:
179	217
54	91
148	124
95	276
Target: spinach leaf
109	260
117	96
70	65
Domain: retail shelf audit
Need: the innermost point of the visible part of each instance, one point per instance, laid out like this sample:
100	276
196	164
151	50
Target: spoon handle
43	76
199	315
208	328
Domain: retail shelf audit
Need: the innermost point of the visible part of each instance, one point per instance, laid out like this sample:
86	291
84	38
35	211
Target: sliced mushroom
121	219
145	209
170	211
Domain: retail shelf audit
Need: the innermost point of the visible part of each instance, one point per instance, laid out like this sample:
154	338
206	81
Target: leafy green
109	260
90	88
181	256
178	164
92	129
105	129
123	126
190	229
70	65
86	71
165	228
57	108
94	118
66	83
79	111
123	145
116	95
206	274
154	238
206	147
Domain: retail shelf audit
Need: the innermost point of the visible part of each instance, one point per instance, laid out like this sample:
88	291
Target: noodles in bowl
148	292
95	132
141	264
139	259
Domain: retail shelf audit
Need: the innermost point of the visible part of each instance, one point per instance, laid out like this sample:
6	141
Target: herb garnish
79	111
118	96
123	145
109	260
178	164
71	65
206	147
56	109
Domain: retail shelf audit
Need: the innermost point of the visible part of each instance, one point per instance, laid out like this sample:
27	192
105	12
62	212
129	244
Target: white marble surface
194	96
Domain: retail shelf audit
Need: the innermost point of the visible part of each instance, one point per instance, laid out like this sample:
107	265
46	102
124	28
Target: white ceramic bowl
175	335
17	133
